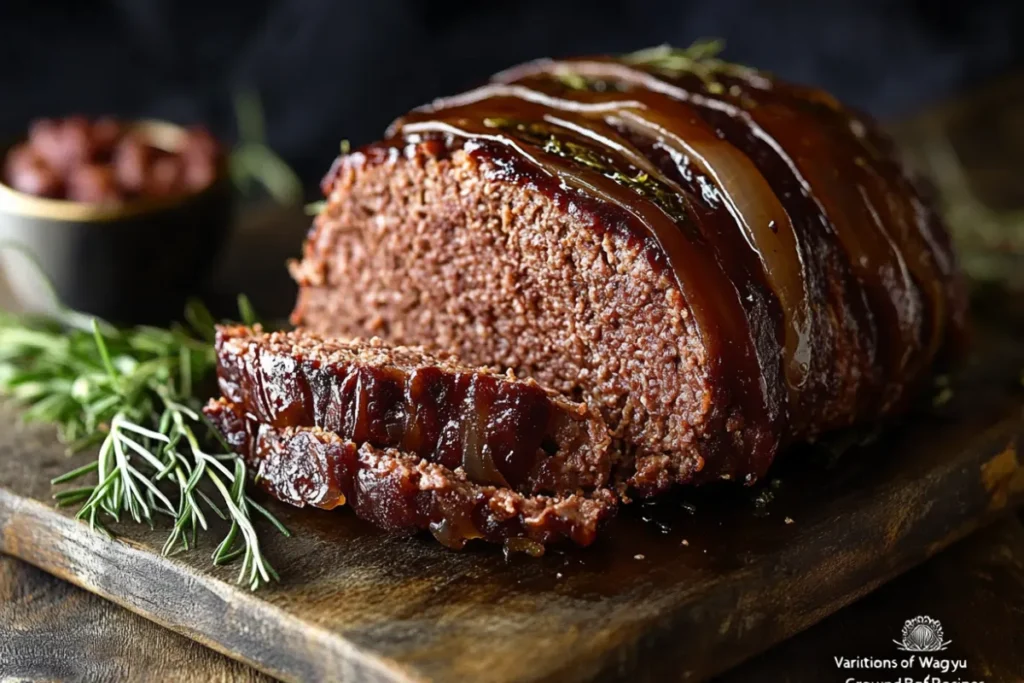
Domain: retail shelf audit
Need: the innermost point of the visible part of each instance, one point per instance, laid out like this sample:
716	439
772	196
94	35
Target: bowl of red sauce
125	219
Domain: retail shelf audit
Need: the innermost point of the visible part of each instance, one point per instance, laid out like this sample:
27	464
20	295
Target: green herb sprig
132	392
990	243
544	136
253	162
700	59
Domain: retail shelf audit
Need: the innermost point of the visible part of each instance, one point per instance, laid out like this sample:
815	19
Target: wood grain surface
359	604
53	631
975	589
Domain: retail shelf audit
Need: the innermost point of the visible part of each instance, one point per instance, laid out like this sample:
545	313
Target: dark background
330	69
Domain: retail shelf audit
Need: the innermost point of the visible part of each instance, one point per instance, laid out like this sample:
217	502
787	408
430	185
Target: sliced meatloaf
500	430
720	262
400	491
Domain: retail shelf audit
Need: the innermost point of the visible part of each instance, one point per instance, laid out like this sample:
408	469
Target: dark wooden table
50	630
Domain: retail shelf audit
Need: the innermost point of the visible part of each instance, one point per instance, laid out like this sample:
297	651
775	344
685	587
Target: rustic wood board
107	643
359	604
975	588
976	591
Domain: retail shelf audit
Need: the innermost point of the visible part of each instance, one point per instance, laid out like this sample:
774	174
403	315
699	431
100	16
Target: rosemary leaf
246	312
75	473
699	59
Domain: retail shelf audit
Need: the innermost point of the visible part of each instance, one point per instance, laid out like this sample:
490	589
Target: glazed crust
499	429
398	491
721	265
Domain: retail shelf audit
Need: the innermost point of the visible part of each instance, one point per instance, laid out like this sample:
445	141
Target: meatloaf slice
399	491
500	430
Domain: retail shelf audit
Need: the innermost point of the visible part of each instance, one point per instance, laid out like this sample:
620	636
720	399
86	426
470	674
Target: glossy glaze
499	431
399	491
821	284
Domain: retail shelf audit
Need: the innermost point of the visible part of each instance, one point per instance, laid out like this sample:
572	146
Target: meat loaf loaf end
500	430
721	262
399	491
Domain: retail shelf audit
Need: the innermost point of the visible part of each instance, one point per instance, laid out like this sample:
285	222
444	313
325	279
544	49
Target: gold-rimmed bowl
133	262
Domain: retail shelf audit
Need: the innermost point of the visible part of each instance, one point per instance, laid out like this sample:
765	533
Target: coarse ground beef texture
430	251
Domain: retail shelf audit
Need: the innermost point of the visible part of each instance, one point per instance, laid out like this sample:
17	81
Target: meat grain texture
497	275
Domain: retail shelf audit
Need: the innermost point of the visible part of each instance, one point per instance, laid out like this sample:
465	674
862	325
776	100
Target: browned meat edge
398	491
499	429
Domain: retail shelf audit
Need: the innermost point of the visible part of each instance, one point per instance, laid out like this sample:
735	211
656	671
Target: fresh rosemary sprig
677	58
132	392
700	59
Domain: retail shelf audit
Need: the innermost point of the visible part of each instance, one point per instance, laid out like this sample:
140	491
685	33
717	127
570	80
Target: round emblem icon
922	634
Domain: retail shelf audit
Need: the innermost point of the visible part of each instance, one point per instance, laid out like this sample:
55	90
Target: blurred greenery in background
990	243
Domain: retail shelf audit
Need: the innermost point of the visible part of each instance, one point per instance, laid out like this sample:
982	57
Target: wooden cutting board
682	589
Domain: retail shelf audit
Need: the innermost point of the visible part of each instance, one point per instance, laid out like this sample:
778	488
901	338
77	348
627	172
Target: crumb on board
685	542
638	557
788	520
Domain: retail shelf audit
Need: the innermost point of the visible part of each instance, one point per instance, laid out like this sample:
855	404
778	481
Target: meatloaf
722	263
500	430
399	491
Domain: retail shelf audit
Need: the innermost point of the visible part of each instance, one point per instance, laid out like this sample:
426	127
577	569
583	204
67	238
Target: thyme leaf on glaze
665	56
570	79
700	59
545	137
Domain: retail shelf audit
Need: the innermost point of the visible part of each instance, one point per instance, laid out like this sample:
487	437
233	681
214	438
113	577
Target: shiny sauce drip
500	432
395	490
794	236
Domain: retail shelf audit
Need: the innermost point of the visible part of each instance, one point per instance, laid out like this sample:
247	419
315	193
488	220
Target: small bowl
131	262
